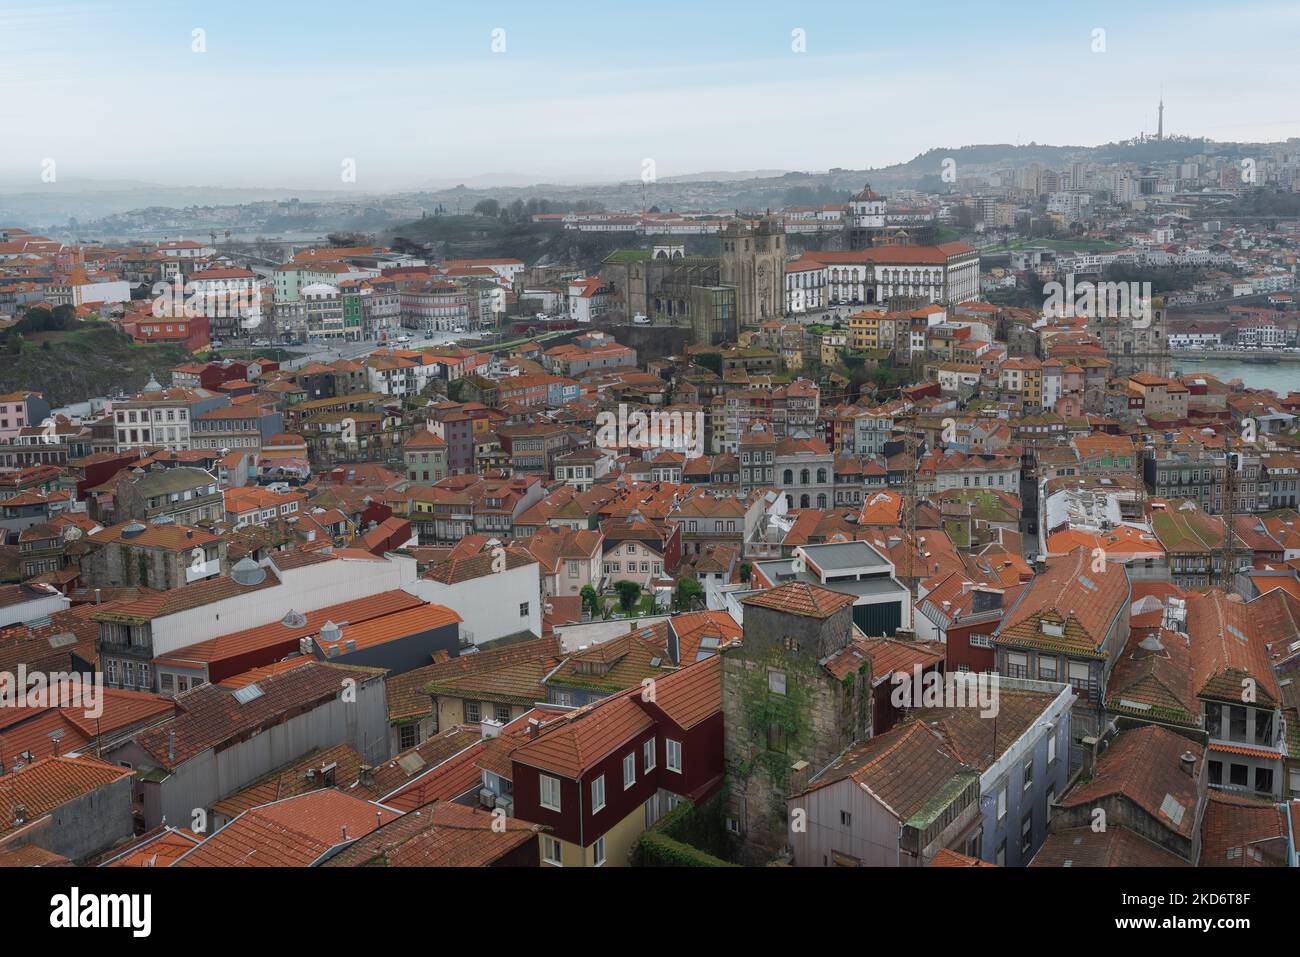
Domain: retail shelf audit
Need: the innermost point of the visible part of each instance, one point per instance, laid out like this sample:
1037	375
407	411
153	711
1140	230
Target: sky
403	94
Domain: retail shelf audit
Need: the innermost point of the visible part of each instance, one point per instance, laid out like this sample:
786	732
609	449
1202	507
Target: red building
192	333
598	776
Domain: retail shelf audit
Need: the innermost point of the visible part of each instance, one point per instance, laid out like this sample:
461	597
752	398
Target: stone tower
753	261
796	691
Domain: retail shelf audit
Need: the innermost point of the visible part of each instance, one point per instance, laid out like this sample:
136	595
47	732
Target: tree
488	207
590	599
629	593
688	589
745	569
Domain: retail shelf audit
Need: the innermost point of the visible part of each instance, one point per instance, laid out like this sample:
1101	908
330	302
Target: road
333	351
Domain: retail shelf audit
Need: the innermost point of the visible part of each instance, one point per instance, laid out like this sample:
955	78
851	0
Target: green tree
629	593
590	599
688	589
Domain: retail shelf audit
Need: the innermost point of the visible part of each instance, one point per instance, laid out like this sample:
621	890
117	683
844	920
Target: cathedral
716	296
753	262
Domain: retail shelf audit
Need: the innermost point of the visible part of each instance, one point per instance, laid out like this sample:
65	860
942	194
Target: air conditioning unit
487	797
506	806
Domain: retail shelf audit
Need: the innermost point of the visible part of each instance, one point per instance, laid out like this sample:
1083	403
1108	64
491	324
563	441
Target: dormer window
1053	628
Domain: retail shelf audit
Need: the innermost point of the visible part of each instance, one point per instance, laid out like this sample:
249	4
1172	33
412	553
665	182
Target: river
1281	377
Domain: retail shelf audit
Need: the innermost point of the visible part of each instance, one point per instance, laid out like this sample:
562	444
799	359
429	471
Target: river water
1281	377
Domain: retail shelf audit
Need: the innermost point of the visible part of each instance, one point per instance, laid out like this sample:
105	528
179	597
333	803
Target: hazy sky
413	93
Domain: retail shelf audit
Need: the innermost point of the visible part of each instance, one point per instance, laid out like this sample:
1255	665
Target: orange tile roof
440	835
386	628
355	612
575	742
801	598
43	785
1144	765
296	832
159	848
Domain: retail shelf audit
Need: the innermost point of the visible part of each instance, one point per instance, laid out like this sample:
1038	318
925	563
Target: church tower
864	219
753	262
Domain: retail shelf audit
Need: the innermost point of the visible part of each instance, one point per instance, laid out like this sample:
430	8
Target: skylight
1171	809
248	693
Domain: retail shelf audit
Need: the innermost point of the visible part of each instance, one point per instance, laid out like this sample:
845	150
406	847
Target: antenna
908	510
1229	508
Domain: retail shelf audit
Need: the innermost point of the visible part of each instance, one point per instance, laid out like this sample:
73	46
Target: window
502	713
648	755
523	609
1080	679
1017	666
1264	780
1029	774
1238	775
598	852
1051	746
674	749
1026	834
776	682
551	851
472	715
776	738
846	819
597	794
1213	720
629	770
549	789
408	736
1002	803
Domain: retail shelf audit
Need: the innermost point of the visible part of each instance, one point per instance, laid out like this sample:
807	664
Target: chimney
1089	756
798	776
171	745
1188	761
98	596
344	829
491	728
20	814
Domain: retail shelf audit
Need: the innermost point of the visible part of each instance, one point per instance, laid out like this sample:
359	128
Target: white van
641	319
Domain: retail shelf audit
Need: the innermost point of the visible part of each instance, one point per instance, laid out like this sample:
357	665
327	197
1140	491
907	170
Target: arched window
803	476
787	477
821	500
803	501
821	476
